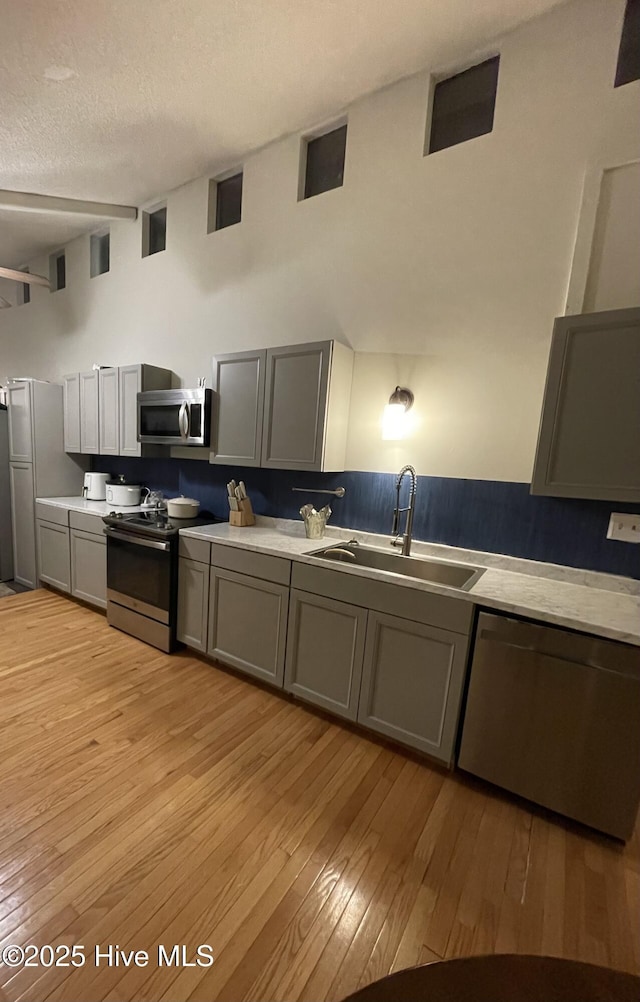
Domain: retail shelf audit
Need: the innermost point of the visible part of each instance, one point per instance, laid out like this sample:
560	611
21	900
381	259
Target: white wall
613	279
449	268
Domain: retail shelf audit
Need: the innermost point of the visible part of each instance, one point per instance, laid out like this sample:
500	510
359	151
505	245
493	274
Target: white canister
182	507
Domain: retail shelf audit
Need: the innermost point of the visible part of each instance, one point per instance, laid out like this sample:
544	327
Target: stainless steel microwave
175	417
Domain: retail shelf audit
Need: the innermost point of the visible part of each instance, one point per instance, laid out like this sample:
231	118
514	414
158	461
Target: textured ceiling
122	100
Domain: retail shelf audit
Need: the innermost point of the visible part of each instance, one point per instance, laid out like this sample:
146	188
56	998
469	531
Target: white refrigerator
38	465
6	546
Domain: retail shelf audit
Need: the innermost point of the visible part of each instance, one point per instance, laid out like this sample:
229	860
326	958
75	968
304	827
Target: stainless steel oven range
142	574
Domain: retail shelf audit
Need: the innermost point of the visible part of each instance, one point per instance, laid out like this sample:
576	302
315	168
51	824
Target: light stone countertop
600	604
98	508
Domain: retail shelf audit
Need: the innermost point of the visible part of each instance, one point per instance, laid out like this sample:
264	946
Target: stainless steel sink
462	576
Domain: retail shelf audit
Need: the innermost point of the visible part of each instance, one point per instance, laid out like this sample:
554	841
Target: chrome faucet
408	529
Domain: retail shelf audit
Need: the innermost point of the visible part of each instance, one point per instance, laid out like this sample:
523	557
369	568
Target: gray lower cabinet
248	624
89	567
325	649
53	555
23	524
193	603
411	683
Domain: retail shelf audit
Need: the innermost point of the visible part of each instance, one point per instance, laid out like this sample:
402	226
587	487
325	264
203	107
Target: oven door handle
126	537
183	420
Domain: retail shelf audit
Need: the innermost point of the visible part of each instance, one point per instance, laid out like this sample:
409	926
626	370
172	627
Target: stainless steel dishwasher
554	716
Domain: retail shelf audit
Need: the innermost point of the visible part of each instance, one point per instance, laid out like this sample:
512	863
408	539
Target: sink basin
462	576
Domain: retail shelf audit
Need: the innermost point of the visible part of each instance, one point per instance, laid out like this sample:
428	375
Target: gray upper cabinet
134	379
101	408
412	683
20	423
588	444
238	384
286	408
296	392
71	386
108	404
325	649
89	413
130	385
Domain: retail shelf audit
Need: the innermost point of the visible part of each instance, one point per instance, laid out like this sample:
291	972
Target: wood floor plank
151	799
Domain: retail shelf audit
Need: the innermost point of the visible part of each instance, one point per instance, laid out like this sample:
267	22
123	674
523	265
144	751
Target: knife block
244	516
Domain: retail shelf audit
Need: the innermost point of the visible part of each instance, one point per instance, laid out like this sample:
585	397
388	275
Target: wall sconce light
394	417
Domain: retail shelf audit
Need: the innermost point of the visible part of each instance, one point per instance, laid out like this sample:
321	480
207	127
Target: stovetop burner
156	523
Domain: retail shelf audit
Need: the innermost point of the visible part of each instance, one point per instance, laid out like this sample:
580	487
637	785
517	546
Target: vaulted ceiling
122	100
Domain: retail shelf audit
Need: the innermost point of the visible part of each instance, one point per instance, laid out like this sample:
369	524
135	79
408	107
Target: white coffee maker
95	486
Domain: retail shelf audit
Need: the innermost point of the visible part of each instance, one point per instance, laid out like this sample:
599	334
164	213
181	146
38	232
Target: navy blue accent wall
476	514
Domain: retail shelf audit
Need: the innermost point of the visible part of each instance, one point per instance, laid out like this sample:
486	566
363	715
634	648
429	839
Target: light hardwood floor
149	799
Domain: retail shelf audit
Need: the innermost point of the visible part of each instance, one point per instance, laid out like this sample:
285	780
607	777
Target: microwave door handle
183	420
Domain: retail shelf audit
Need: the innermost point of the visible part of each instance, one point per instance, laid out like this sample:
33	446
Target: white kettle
95	486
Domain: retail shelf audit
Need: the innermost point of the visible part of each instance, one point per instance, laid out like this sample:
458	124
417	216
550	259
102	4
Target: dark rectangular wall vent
463	105
225	202
154	231
628	68
99	254
324	168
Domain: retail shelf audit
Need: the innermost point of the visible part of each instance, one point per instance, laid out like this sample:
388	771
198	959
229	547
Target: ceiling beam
26	201
26	277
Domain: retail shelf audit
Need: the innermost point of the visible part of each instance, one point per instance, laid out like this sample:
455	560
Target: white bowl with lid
182	507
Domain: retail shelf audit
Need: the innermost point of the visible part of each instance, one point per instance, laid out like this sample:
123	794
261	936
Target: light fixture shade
394	417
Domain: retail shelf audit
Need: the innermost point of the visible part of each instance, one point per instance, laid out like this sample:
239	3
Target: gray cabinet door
412	683
71	385
193	603
89	417
248	624
108	410
588	445
54	567
130	377
20	402
238	384
89	567
296	391
325	649
23	524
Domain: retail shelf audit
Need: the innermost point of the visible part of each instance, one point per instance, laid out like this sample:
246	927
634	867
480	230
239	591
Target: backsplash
488	515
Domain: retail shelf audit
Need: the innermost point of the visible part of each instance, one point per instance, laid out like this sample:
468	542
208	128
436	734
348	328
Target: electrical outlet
624	527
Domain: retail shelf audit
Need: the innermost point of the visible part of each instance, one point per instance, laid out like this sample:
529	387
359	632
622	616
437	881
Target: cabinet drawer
48	513
418	606
86	523
194	549
257	565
